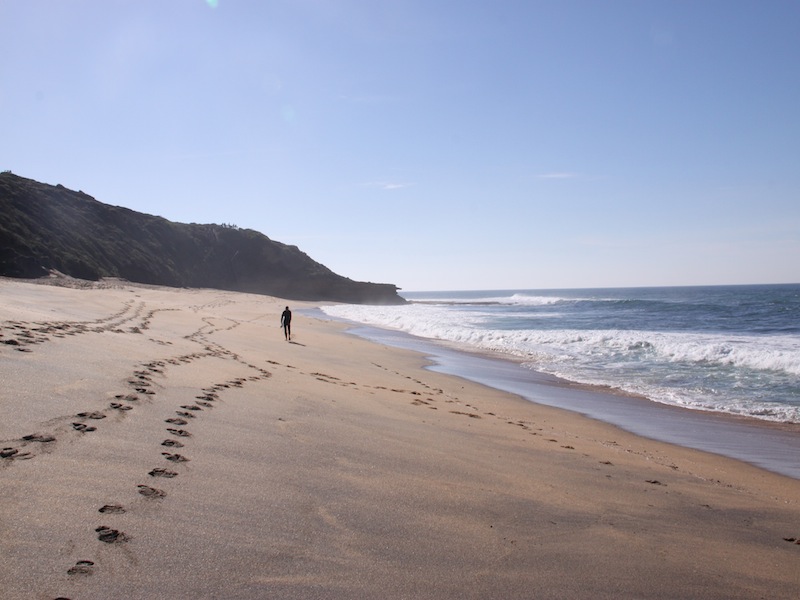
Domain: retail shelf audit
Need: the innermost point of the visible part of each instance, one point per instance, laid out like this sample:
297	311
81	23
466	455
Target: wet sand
162	443
771	445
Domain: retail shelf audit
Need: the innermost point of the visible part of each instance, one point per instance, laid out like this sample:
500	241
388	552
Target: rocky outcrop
44	228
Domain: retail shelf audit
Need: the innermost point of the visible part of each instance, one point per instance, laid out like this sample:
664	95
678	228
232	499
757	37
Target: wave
770	353
512	300
757	375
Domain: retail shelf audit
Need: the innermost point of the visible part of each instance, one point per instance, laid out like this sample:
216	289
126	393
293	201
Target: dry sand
332	467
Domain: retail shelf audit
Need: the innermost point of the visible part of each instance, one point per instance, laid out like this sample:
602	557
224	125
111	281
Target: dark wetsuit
286	322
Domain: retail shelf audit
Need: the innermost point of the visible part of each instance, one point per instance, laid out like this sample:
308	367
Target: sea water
732	349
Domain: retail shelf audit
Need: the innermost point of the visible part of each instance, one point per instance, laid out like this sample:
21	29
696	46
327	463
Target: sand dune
163	443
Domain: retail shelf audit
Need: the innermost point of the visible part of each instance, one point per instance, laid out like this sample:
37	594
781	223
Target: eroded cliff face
44	227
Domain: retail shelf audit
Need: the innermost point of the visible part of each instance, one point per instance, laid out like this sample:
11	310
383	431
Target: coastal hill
45	227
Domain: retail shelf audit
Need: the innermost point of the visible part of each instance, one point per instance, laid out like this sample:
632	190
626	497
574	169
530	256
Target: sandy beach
169	443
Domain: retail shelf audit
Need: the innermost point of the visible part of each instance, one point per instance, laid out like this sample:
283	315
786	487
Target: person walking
286	323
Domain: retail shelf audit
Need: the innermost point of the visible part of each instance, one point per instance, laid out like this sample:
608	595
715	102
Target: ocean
722	349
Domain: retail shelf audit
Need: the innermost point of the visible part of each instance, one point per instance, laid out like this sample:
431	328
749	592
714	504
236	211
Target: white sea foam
696	370
512	300
775	353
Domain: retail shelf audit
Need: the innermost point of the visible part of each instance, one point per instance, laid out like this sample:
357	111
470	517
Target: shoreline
335	467
770	445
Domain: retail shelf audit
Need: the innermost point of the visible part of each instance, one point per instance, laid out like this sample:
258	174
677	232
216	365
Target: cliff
44	227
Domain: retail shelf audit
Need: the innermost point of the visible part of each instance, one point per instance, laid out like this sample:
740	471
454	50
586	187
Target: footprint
190	407
110	536
172	443
175	421
151	492
114	509
92	415
82	567
118	406
127	397
38	437
83	427
8	452
174	457
184	414
466	414
179	432
159	472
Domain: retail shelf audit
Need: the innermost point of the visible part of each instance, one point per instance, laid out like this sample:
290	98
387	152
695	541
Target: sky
432	144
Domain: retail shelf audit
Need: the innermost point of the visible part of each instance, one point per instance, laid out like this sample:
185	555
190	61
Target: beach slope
165	443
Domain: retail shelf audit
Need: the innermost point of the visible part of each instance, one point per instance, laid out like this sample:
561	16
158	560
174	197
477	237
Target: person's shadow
297	343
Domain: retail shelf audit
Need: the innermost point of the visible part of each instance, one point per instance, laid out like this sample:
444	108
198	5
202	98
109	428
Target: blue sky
434	144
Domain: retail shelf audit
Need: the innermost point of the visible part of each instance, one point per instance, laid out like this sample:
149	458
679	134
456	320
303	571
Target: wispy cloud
558	175
387	185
